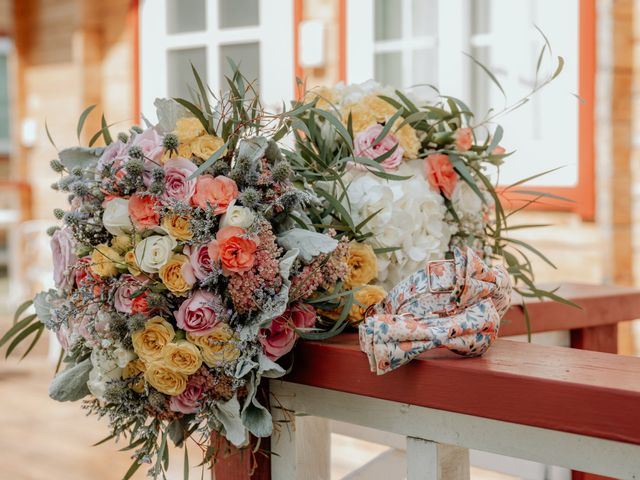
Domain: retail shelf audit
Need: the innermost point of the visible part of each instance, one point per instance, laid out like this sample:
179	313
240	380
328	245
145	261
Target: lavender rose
176	183
200	313
64	256
364	147
189	400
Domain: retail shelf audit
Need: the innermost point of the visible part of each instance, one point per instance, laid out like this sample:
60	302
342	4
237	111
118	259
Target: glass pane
245	55
238	13
424	18
186	16
4	100
388	68
425	69
179	70
388	19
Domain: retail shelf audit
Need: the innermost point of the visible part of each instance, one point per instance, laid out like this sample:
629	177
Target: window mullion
213	46
407	51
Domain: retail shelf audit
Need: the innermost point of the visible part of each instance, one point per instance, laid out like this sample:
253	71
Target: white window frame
274	35
5	51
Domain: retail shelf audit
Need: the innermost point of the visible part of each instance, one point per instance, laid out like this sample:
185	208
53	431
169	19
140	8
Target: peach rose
463	138
499	150
233	249
217	192
440	173
142	210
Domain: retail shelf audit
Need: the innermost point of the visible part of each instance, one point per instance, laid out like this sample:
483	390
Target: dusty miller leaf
310	244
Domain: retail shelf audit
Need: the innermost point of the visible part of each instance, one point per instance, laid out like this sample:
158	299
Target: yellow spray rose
363	299
149	342
218	347
121	243
188	128
205	146
362	263
182	357
177	226
132	263
135	368
164	379
171	275
105	261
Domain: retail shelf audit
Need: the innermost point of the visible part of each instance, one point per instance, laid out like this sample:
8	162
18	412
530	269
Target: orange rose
217	192
440	173
143	212
233	249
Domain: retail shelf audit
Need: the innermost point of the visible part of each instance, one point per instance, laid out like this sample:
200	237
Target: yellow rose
105	261
362	263
218	346
135	368
121	243
326	97
205	146
132	263
178	226
182	357
149	342
171	275
165	380
188	128
363	299
184	151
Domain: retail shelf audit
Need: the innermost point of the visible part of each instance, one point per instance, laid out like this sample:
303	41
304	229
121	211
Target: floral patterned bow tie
455	304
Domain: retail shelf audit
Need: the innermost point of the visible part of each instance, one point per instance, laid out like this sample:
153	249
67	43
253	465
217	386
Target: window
4	96
256	35
409	43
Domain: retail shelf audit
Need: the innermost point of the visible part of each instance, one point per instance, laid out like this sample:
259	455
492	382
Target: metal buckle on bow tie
436	288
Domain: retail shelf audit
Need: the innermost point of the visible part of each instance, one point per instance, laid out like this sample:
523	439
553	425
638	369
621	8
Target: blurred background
58	56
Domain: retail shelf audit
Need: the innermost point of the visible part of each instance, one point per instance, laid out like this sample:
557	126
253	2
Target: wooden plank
601	305
428	460
549	387
605	457
603	338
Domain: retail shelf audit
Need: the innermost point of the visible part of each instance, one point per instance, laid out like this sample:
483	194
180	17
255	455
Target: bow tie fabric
455	304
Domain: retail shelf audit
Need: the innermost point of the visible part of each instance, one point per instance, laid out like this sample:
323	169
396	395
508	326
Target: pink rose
177	185
217	192
463	138
440	173
364	147
200	265
64	256
150	142
122	299
115	156
280	337
189	400
199	313
142	210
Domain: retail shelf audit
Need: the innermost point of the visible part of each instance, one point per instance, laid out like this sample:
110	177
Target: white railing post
428	460
301	448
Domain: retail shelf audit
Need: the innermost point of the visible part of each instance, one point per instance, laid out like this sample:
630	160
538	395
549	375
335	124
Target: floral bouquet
195	252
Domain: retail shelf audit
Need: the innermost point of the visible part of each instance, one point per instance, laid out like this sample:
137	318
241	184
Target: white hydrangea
412	217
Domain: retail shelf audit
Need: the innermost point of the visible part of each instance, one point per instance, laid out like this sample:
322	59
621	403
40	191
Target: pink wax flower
142	210
463	138
64	257
440	173
199	266
280	337
189	400
176	179
199	313
364	147
217	192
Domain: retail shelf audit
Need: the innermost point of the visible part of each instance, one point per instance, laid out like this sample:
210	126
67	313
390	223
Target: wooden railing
554	405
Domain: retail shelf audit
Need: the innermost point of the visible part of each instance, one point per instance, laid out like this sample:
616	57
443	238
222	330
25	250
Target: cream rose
149	342
218	347
153	252
182	357
116	217
165	380
237	216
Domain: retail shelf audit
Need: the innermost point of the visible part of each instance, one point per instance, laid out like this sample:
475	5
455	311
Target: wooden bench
592	328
